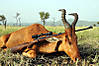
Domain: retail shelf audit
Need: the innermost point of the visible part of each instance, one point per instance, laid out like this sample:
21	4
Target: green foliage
94	25
88	44
97	22
3	19
41	15
47	15
44	16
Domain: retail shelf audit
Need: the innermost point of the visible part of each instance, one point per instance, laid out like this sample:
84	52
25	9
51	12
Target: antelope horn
65	22
75	20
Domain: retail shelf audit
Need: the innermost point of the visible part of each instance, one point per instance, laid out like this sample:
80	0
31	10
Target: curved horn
75	20
66	24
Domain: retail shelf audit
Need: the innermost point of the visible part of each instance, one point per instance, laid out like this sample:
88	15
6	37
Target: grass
88	43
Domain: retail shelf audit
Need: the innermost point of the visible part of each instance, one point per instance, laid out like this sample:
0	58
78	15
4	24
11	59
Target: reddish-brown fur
21	36
25	35
67	41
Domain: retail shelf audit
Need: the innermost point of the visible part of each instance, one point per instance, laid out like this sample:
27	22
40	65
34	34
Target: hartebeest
66	42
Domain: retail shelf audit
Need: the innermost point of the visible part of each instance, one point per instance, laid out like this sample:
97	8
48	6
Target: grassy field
88	43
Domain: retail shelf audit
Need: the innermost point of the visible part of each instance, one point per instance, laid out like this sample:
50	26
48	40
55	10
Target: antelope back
23	35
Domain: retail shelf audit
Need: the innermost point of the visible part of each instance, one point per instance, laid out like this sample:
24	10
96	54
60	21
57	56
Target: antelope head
70	38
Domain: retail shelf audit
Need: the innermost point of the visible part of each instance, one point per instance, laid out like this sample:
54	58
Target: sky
29	9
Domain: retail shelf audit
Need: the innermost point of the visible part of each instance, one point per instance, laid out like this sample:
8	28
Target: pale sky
29	9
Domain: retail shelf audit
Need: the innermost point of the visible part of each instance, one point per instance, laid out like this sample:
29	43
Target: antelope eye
66	36
70	43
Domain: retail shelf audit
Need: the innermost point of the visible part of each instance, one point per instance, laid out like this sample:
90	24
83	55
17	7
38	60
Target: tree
53	21
3	19
18	19
94	25
97	22
44	16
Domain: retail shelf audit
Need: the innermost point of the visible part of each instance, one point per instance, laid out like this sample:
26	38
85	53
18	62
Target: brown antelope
66	42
